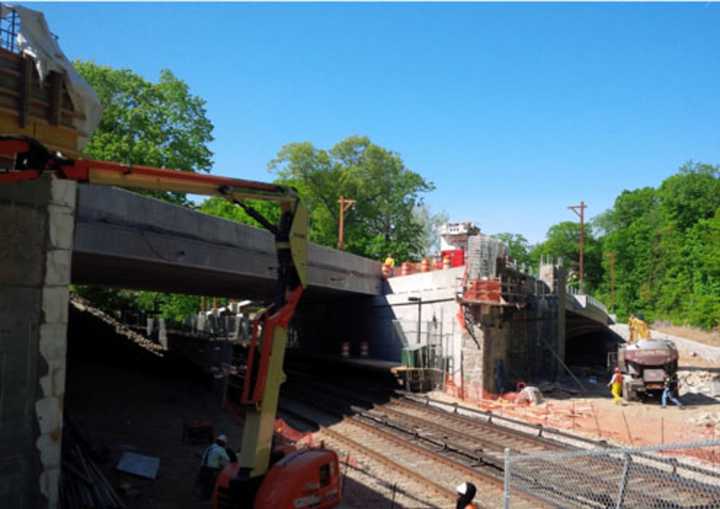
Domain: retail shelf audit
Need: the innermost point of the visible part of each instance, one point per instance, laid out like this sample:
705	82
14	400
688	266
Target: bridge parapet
588	306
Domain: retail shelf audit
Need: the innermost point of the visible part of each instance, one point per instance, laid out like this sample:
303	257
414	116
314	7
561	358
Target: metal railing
618	477
9	28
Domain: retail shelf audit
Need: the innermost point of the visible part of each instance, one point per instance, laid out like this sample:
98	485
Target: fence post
506	483
624	480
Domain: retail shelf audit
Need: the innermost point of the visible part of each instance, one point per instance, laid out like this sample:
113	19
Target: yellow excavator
262	478
638	328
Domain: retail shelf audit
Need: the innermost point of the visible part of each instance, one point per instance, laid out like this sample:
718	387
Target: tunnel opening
590	349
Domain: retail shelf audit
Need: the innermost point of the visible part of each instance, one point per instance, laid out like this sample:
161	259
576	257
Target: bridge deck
129	240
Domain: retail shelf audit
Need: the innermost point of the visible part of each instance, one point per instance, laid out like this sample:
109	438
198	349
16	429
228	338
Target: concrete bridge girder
128	240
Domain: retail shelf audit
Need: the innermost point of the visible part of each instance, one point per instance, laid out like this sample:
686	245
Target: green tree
691	195
632	236
563	241
170	306
665	243
518	247
385	190
220	207
703	250
156	124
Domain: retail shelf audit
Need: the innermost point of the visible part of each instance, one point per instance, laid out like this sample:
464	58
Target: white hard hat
222	437
462	488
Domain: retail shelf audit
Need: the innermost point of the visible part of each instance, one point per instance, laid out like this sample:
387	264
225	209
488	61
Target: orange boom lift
262	478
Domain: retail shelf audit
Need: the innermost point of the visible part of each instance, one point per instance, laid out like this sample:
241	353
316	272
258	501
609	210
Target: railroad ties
433	450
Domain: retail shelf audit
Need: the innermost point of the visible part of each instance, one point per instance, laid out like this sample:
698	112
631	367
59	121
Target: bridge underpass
55	233
588	337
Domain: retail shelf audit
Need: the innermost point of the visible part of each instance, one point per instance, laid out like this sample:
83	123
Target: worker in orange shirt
616	386
466	493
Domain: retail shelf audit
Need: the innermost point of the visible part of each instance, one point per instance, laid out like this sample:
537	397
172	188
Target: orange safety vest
617	378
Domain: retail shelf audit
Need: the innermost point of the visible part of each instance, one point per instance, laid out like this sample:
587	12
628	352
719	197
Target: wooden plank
9	68
9	125
54	137
11	97
57	136
9	55
10	83
56	90
25	91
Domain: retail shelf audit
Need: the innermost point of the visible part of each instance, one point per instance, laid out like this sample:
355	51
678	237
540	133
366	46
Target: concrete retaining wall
36	235
488	346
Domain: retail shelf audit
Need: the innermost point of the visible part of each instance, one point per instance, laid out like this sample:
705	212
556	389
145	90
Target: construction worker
466	493
670	391
388	266
214	459
616	386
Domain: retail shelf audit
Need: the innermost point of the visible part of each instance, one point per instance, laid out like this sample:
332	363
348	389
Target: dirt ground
594	415
123	398
120	411
711	338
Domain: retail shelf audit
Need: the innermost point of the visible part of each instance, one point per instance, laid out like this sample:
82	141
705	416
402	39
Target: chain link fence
638	478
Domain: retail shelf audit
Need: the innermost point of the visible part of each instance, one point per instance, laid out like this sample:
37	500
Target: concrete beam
129	240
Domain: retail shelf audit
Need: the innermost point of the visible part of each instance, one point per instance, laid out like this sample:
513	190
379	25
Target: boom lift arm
27	159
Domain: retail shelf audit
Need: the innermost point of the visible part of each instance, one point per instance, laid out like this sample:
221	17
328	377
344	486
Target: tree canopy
384	220
563	242
156	124
666	242
656	251
518	247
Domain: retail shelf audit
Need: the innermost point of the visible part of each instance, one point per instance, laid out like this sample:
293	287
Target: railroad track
433	464
583	482
491	438
428	493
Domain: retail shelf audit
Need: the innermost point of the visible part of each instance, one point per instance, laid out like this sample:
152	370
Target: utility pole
580	211
612	281
345	205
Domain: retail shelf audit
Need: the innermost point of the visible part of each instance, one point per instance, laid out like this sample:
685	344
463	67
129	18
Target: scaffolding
9	28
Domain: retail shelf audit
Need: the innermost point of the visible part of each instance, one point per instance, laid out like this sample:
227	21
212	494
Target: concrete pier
36	237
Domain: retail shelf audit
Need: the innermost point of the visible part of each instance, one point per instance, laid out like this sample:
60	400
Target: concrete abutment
36	238
487	347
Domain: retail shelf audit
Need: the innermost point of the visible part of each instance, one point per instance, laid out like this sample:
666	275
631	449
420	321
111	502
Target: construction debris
709	420
557	389
531	395
142	341
82	484
703	382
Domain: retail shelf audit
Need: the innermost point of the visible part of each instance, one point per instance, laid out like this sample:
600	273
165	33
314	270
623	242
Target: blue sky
514	111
